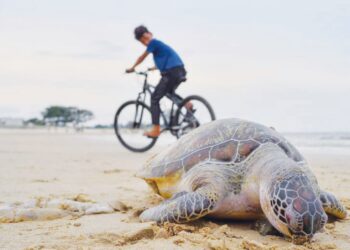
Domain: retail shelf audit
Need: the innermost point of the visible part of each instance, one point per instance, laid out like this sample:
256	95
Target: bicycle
134	116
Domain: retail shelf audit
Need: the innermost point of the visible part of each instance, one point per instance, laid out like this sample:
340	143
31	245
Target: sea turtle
238	169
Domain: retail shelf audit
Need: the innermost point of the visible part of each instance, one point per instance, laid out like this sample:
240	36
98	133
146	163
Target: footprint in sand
44	180
128	238
112	171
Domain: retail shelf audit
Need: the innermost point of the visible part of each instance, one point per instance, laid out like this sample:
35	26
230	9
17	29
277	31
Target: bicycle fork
137	121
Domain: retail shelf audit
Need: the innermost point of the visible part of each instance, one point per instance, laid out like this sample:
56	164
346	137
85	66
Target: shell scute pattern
262	137
244	132
245	148
228	141
172	167
291	151
194	158
226	151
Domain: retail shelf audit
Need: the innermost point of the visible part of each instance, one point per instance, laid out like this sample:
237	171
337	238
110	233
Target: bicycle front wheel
130	122
193	112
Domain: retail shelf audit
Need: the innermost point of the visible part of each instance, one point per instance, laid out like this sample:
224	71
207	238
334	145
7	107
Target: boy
170	66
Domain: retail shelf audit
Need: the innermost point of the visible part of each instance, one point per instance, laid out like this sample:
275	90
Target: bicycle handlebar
143	73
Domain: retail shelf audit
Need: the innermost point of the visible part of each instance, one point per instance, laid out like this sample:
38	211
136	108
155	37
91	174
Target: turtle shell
227	140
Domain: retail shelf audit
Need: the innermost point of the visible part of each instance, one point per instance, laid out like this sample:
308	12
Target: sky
281	63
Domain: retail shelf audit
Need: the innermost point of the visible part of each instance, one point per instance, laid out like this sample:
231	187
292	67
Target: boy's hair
139	31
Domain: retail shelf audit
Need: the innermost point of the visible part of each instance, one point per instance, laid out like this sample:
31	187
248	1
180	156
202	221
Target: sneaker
154	132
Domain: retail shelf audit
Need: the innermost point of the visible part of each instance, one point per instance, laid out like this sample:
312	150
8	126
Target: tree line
61	116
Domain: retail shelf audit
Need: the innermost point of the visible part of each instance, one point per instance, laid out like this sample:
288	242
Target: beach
41	163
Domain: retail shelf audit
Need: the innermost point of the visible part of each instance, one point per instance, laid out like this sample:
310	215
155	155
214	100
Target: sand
62	164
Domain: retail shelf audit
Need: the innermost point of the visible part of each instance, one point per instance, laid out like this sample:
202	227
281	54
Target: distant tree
60	115
84	115
35	122
103	126
80	116
57	115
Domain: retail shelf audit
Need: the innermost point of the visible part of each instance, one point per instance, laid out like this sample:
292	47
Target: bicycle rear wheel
193	112
130	122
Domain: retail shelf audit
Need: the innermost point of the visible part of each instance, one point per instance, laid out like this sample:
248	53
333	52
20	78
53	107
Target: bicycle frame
179	121
147	88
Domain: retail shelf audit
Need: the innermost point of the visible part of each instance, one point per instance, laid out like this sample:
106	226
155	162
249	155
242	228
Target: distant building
8	122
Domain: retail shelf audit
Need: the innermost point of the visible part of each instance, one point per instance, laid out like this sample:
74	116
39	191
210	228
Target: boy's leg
177	75
177	97
160	91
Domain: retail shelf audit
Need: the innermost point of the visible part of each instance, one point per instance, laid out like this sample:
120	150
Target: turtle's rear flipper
332	205
183	208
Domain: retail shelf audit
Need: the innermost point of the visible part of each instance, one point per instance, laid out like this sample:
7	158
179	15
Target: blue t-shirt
164	56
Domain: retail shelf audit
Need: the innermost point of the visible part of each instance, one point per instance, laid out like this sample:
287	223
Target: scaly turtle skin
243	170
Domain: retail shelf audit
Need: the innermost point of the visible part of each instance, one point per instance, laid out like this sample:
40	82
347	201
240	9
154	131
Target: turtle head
294	208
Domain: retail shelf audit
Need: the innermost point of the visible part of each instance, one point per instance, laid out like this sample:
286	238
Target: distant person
170	66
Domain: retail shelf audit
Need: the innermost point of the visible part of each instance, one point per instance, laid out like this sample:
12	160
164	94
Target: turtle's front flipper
332	205
185	207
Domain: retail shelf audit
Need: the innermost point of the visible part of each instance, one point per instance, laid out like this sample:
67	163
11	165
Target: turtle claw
147	215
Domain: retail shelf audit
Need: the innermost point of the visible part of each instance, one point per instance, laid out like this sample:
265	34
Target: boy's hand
130	70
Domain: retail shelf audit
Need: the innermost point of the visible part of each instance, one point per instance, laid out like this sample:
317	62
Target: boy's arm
138	61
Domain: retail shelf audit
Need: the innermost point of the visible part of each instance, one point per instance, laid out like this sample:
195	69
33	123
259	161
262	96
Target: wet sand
41	163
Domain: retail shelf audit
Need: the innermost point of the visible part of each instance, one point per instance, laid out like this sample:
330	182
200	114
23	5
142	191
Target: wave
319	139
